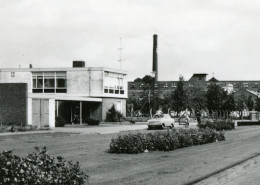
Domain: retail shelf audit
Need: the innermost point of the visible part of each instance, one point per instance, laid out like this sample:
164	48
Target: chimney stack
155	57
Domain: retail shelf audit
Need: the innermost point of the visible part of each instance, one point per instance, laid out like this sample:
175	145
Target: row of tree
191	98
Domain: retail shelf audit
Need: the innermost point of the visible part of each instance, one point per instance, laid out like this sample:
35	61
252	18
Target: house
65	92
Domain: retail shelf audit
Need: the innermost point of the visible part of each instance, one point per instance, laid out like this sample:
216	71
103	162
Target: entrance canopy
64	97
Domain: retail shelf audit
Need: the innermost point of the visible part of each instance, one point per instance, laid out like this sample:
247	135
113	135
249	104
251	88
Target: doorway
40	112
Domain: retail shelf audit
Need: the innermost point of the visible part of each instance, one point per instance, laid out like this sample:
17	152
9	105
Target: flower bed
134	143
39	168
11	128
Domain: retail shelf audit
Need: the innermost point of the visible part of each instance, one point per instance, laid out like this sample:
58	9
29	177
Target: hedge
133	143
39	168
218	125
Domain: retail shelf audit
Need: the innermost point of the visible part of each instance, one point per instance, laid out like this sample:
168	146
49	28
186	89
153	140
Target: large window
49	82
114	83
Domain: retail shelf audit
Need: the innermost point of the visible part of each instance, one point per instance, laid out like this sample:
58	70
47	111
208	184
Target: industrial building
163	89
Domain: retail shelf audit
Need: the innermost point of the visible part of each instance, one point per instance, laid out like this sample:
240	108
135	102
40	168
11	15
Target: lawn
175	167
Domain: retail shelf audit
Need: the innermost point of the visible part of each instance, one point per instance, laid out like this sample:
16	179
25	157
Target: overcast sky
194	36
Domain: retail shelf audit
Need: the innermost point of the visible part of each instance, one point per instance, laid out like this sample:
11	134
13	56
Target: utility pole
120	53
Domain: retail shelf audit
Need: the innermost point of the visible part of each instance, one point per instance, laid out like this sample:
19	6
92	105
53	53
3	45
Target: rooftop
63	69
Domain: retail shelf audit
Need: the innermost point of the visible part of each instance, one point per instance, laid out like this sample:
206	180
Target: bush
113	115
92	121
5	128
134	143
59	122
39	168
218	125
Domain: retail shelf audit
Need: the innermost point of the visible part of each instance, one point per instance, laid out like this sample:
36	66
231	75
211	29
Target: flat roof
64	69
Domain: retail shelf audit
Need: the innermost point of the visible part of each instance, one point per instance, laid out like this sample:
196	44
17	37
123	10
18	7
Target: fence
230	115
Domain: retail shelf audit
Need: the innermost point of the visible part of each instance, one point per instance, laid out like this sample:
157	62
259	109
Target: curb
210	175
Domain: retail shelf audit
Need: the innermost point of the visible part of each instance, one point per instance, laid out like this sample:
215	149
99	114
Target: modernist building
66	92
165	88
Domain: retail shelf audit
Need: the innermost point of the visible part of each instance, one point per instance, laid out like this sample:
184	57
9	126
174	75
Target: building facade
68	92
165	88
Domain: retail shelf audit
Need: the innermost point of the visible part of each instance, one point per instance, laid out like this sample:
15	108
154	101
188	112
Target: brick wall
13	103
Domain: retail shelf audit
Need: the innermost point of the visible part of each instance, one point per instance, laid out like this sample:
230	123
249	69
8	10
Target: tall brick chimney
155	57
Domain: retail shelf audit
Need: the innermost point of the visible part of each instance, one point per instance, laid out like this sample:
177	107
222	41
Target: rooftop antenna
120	54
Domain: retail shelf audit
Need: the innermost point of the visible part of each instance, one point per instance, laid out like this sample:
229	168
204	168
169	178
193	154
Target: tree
215	97
147	79
144	103
250	103
113	115
138	80
257	106
197	99
180	97
240	102
229	103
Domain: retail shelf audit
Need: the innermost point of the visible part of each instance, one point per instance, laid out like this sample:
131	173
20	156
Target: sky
217	37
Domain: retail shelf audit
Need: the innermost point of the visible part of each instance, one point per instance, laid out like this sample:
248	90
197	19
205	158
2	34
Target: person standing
187	120
198	117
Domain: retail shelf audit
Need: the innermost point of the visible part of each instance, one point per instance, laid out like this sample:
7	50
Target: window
12	74
114	83
132	86
49	82
245	85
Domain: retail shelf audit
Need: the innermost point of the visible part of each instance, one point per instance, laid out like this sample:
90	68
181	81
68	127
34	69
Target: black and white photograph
129	92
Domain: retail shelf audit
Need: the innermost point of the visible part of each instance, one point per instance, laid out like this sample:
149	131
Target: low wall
13	103
246	122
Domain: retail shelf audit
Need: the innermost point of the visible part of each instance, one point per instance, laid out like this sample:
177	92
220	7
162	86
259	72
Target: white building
65	92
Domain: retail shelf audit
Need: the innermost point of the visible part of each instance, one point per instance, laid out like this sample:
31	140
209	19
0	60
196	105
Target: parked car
161	120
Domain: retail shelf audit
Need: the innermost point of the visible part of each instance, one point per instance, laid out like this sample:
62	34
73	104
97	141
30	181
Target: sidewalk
85	129
101	129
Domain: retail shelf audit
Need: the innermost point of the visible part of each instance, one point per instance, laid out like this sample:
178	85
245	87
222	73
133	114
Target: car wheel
149	127
172	125
163	125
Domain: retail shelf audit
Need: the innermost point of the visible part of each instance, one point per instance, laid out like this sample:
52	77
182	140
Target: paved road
180	167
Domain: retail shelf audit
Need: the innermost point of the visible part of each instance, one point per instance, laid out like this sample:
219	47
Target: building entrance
40	110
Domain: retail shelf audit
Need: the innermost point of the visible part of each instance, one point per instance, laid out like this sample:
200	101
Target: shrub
4	128
59	122
113	115
39	168
134	143
92	121
218	125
